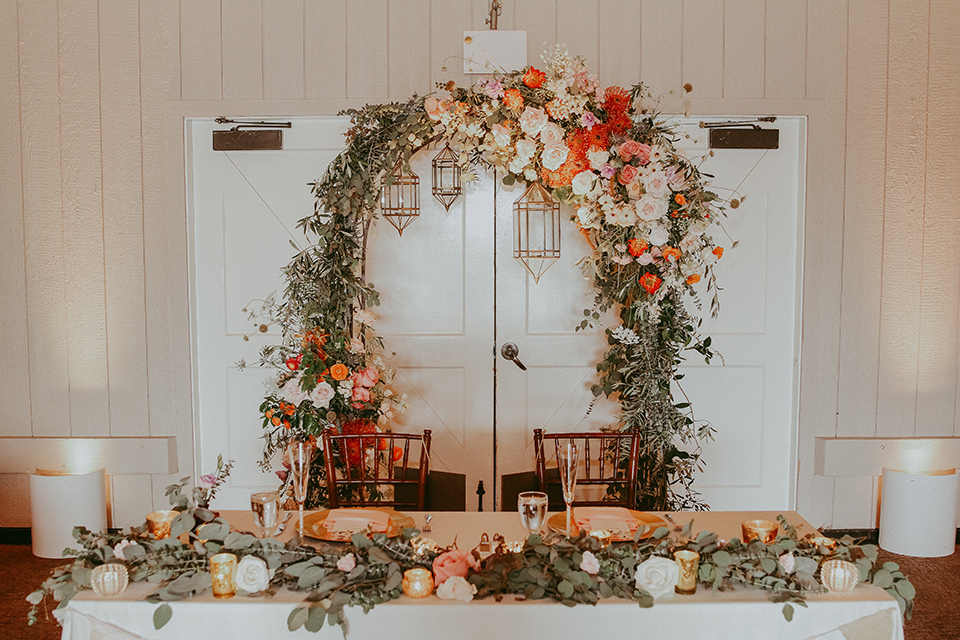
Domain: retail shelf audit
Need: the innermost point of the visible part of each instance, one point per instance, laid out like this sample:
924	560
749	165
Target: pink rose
347	563
608	171
627	174
453	563
590	564
628	149
369	377
643	155
432	107
361	394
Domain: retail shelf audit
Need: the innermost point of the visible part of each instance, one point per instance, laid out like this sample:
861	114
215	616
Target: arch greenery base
644	210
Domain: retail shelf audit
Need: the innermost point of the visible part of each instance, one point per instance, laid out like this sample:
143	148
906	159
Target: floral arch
645	213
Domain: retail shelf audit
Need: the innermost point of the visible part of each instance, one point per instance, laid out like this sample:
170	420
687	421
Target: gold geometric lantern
536	230
400	196
446	177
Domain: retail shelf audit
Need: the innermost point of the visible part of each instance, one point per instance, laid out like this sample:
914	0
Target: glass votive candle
223	575
418	583
823	541
763	530
109	579
689	564
603	537
158	523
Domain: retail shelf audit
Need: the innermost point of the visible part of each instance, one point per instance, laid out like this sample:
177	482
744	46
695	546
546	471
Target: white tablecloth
866	614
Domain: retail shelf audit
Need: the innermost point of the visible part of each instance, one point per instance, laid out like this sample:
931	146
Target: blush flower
589	120
123	544
583	182
347	563
321	395
651	208
554	155
456	588
532	120
453	563
590	564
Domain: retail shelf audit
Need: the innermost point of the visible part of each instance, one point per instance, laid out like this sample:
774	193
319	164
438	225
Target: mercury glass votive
839	576
603	536
689	564
763	530
418	583
109	579
158	523
223	575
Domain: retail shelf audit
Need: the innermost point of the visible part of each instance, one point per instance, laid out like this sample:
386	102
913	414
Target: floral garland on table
369	570
644	210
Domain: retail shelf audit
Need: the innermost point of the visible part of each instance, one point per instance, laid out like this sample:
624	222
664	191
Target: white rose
517	165
656	183
658	236
292	392
657	576
689	242
598	158
501	135
651	208
583	182
456	588
252	574
364	317
551	133
554	155
532	120
587	217
321	395
526	147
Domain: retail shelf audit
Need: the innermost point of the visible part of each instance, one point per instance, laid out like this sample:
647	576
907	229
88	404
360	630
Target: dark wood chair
351	482
606	459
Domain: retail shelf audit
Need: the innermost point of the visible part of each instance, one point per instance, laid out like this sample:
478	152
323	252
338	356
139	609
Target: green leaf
315	619
162	615
722	559
882	578
788	612
297	618
393	581
906	589
565	588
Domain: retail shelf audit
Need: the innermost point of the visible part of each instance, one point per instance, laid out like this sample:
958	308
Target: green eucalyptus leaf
162	615
315	619
788	612
297	618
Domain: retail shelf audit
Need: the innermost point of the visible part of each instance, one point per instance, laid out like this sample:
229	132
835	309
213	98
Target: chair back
608	459
377	469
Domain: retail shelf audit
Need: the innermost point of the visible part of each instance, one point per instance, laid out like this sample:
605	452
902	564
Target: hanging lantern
400	196
446	177
536	230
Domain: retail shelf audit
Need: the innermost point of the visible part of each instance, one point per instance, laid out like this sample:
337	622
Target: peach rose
627	174
628	149
453	563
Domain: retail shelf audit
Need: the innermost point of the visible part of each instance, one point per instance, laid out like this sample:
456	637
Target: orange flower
693	279
513	99
534	78
650	282
637	247
269	414
286	424
290	410
671	253
339	371
680	199
275	421
718	252
397	453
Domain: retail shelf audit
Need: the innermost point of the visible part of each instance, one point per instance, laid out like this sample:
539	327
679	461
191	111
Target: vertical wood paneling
409	36
14	373
200	49
129	496
903	217
863	203
283	53
621	43
854	505
937	389
448	21
539	19
578	29
744	24
367	49
661	44
786	50
123	216
325	49
243	52
80	174
43	220
505	22
703	47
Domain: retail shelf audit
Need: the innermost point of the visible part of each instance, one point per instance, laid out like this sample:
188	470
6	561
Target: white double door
452	295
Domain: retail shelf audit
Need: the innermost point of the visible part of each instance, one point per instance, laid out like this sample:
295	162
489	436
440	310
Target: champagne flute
300	453
266	510
532	506
568	459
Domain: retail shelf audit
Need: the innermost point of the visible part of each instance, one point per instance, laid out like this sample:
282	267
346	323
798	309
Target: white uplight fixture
918	512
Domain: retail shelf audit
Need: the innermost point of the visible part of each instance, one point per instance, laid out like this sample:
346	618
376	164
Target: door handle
510	352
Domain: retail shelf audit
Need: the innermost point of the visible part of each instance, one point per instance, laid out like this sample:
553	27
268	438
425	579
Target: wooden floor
936	616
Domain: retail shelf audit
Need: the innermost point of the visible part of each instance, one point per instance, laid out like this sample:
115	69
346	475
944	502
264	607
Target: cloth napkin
612	519
339	520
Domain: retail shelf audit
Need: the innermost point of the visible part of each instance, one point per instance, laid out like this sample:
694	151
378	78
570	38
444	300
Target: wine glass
300	453
266	510
568	461
532	506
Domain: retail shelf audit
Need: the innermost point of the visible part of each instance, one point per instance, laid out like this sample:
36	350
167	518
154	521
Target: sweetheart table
867	613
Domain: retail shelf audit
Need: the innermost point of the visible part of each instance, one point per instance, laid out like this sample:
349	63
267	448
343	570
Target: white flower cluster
625	335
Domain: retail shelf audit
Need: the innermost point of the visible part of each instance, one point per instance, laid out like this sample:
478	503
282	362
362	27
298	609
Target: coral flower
534	78
275	421
513	99
650	282
637	247
294	363
718	252
671	253
339	371
680	199
397	453
693	279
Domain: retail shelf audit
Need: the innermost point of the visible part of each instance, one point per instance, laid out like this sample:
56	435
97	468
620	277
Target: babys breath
624	335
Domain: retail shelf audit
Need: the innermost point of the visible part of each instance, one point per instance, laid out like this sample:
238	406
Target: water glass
266	510
532	506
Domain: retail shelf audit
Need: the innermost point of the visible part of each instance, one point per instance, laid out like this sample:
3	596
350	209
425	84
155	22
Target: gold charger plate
558	523
314	524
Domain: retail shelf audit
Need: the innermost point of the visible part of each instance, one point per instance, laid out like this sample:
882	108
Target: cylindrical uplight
918	513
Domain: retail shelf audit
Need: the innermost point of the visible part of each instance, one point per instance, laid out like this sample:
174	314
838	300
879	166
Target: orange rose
275	420
339	371
397	453
650	282
286	424
513	99
680	199
534	78
718	252
695	278
637	247
671	253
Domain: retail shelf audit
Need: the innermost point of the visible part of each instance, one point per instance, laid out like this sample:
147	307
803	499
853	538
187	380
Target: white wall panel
283	53
744	53
200	49
786	49
325	51
409	36
620	43
702	37
242	49
366	49
661	45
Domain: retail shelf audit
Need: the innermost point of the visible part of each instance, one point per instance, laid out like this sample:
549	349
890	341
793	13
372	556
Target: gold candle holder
223	575
158	523
823	541
763	530
603	537
689	564
418	583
